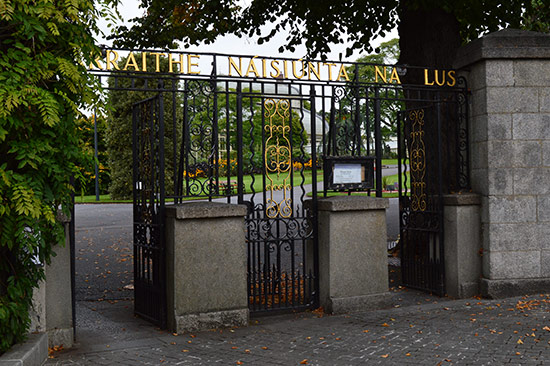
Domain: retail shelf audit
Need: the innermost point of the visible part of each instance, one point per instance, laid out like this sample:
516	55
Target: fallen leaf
520	341
303	362
185	350
385	356
385	325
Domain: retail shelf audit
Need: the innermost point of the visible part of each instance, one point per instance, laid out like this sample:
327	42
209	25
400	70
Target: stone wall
508	73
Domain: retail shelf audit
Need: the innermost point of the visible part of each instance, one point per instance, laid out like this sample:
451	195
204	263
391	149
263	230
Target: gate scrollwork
278	157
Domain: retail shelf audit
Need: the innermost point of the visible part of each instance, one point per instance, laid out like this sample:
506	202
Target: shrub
43	48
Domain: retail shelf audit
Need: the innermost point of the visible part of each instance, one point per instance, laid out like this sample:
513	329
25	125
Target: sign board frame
343	173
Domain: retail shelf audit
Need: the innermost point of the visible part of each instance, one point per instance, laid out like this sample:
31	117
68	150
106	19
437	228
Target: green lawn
390	162
373	194
258	185
103	198
390	179
247	180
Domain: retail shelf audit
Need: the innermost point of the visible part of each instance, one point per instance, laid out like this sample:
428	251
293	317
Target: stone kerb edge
352	203
33	352
202	210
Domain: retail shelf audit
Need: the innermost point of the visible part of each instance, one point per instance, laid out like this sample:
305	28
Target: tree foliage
42	86
320	24
253	125
118	134
85	185
387	53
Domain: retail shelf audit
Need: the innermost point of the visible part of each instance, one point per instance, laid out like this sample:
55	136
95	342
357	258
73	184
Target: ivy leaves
43	83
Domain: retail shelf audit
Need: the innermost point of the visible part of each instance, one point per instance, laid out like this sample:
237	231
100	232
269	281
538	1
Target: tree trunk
430	38
427	38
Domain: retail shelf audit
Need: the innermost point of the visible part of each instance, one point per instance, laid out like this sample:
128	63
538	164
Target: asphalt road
104	265
103	245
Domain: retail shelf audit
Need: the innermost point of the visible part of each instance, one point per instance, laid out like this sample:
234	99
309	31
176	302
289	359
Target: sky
233	45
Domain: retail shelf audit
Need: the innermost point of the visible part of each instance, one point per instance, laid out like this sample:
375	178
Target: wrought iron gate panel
281	235
420	200
149	201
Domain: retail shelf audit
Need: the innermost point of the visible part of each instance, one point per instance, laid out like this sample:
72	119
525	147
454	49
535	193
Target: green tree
430	31
202	123
118	135
43	83
86	182
387	53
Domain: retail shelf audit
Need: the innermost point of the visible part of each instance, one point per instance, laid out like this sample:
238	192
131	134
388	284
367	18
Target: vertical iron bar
314	208
214	149
240	180
181	167
96	159
378	142
332	127
135	185
357	119
72	250
367	119
441	267
402	195
186	139
215	129
228	142
174	137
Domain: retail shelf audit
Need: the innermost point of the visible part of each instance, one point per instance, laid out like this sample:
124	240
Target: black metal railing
260	139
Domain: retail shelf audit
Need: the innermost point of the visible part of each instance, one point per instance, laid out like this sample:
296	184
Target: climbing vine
44	84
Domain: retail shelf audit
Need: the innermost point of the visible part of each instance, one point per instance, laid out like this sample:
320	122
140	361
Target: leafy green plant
44	46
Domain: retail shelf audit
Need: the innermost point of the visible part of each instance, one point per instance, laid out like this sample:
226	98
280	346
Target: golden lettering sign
255	67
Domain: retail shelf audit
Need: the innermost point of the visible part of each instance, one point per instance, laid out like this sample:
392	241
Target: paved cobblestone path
419	331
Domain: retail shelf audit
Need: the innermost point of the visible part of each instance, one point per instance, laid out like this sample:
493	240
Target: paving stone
461	332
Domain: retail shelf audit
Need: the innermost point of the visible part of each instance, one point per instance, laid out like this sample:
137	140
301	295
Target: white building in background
284	90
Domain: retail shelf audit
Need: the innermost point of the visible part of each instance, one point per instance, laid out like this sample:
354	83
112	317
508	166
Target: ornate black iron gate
247	143
433	162
281	232
148	192
421	207
258	137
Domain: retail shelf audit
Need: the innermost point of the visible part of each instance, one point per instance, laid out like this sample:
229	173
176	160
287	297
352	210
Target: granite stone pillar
508	73
462	240
206	266
353	257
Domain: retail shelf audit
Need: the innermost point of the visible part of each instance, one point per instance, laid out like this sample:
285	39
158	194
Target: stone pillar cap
462	199
198	210
352	203
504	44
